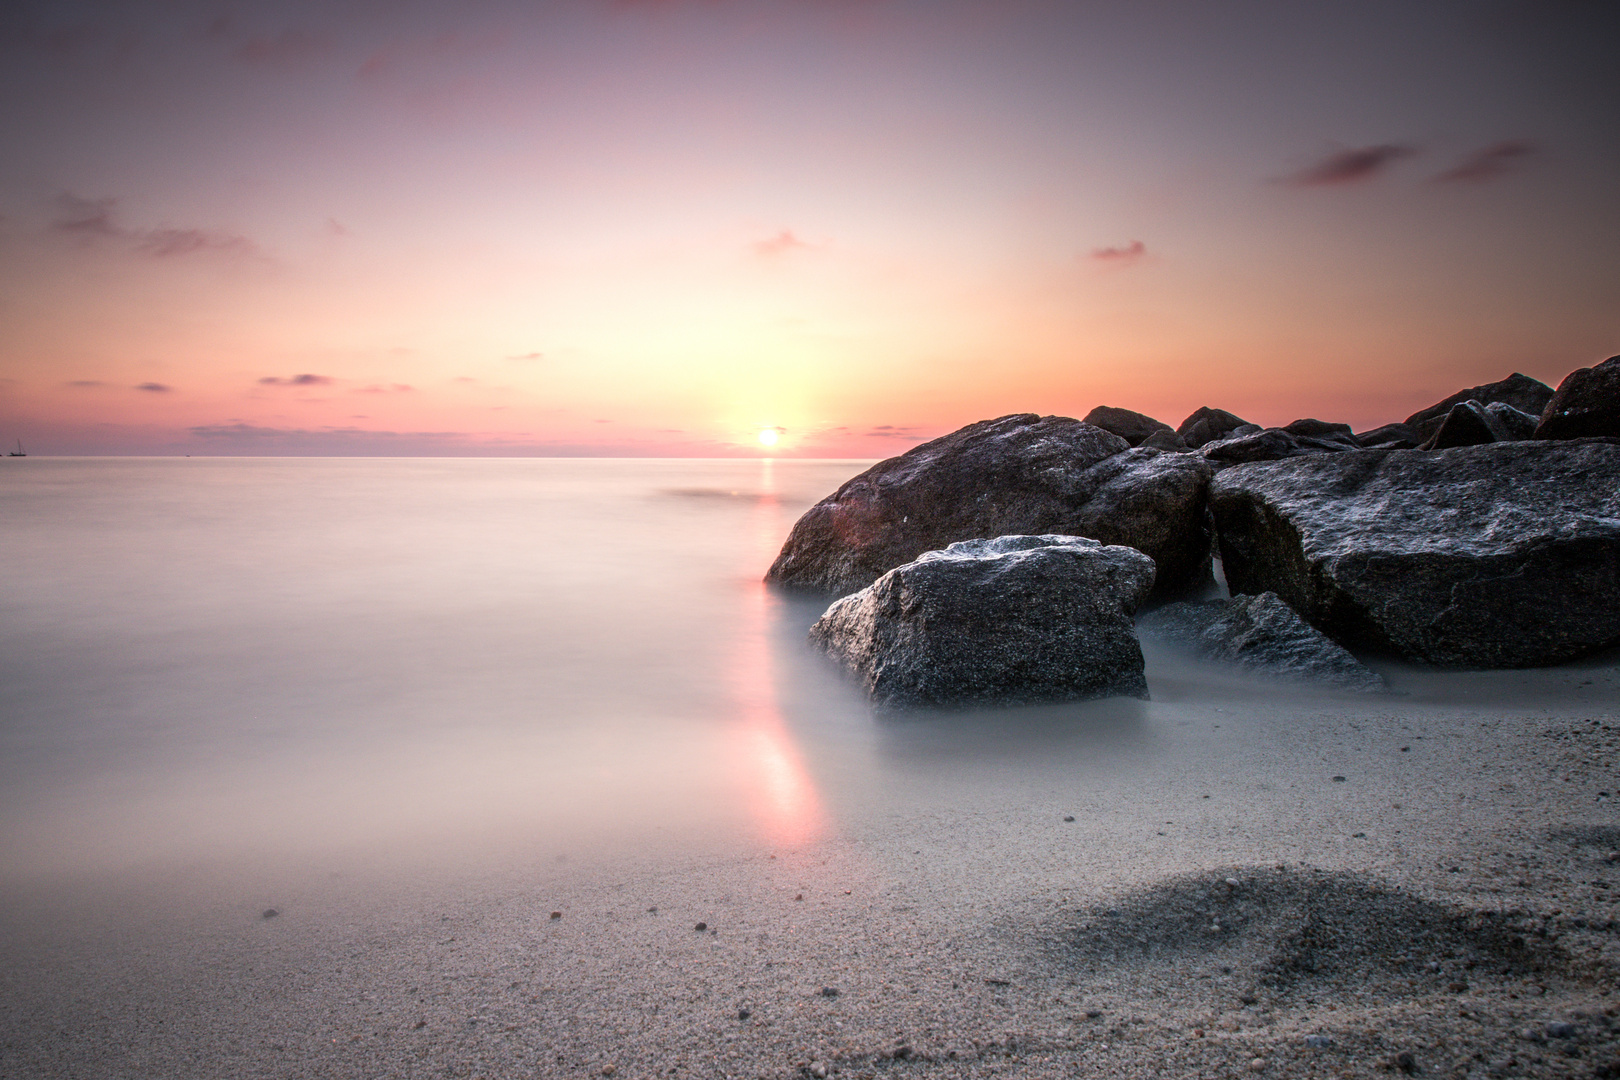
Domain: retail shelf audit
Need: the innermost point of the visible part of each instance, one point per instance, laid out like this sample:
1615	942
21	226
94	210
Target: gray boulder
1207	425
1134	427
1587	403
1262	635
1520	391
1500	555
1021	474
1165	440
1013	620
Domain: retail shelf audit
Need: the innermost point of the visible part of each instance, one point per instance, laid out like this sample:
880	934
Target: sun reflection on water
780	793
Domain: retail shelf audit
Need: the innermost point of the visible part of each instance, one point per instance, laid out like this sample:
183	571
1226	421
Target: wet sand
1253	882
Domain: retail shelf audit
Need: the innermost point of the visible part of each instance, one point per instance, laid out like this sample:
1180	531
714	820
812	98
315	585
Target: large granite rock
1134	427
1587	403
1520	391
1012	620
1260	634
1020	474
1501	555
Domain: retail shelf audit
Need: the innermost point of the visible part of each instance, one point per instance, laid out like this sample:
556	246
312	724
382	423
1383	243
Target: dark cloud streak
1351	166
1488	163
297	380
93	218
1130	253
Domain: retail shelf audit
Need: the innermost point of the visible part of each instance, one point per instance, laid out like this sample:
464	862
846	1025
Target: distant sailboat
19	452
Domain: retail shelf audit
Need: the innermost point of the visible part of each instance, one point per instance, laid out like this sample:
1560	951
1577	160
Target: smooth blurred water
206	655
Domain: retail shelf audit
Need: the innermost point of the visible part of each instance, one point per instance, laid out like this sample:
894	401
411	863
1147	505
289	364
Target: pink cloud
1130	253
780	244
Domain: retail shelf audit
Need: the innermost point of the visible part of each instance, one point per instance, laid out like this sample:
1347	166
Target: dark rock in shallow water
1207	425
1587	403
1502	555
1014	620
1021	474
1260	634
1133	427
1520	391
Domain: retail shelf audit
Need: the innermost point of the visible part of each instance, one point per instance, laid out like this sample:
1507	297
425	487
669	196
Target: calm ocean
295	655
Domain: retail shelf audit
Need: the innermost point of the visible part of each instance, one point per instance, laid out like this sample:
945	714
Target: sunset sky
651	227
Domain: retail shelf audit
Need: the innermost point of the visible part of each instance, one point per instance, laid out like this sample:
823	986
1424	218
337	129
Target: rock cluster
1482	531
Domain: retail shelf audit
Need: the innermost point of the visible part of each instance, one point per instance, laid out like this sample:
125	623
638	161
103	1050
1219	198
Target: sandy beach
1254	881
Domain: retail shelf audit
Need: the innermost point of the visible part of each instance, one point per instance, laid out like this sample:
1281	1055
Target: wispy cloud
528	356
780	244
84	384
890	431
240	432
1351	166
90	217
166	243
93	218
297	380
1129	253
290	47
154	388
386	388
1487	163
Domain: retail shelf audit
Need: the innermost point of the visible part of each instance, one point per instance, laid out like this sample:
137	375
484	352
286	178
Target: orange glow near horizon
645	229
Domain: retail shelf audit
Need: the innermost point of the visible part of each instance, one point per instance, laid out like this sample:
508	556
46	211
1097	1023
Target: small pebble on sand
829	991
700	927
270	913
1338	780
556	914
1068	817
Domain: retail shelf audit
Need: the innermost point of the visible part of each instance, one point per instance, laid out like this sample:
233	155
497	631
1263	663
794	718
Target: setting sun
768	436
